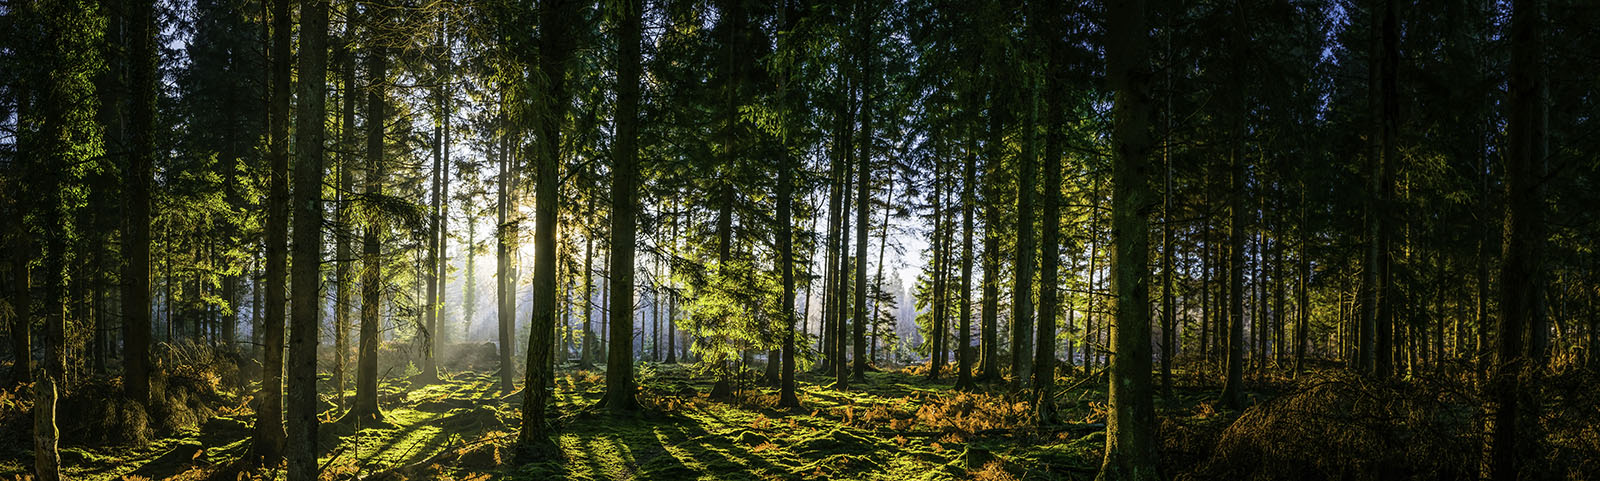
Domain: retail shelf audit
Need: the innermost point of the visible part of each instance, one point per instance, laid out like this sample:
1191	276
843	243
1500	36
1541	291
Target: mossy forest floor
894	425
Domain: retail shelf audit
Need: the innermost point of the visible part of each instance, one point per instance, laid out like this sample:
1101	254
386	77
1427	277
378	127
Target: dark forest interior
781	239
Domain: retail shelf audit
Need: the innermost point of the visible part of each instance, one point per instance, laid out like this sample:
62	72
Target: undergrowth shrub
993	471
922	368
972	412
1571	422
1337	425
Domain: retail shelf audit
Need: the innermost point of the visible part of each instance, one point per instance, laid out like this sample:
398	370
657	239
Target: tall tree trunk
1303	294
1022	287
1378	307
429	331
441	332
269	441
1206	263
586	354
1094	270
624	190
1168	310
1131	426
469	282
877	279
303	405
506	286
672	306
790	16
1232	390
840	335
964	343
1506	409
366	410
345	217
136	287
865	56
556	18
1278	346
831	259
990	339
18	253
936	339
1044	363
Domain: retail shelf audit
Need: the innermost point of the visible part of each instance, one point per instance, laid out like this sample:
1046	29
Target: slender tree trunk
18	254
605	295
136	286
840	334
1506	409
964	342
1131	426
441	332
1044	363
624	190
366	410
556	19
269	441
1303	296
877	280
1377	310
831	259
990	339
429	332
505	286
790	17
672	306
346	221
586	356
1168	310
1094	270
303	405
1022	287
935	338
864	19
1232	390
1205	285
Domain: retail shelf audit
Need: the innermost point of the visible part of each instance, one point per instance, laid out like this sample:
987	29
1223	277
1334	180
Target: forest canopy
776	239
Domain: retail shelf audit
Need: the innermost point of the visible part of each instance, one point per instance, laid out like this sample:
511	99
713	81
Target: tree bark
1232	389
269	441
1131	425
840	334
1044	363
556	43
990	339
46	460
1022	287
136	287
785	232
1522	251
863	183
586	354
964	343
345	221
441	332
366	410
624	190
1303	296
22	292
506	286
306	317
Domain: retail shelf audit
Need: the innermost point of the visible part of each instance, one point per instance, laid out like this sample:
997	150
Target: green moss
692	438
